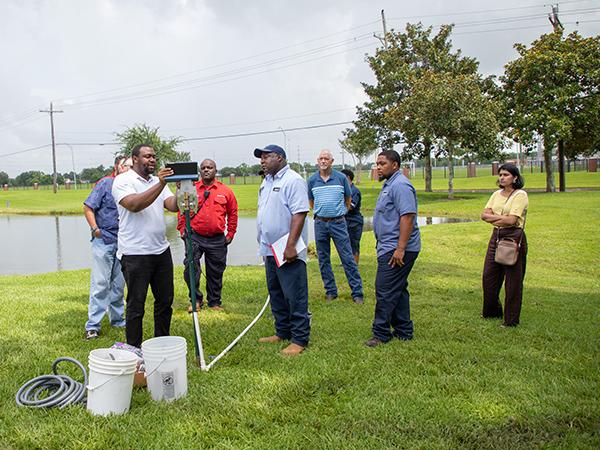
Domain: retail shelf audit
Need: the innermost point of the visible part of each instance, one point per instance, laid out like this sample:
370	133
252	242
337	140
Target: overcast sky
200	69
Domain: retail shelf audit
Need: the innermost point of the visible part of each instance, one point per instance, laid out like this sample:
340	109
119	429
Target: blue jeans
393	300
106	286
288	288
338	231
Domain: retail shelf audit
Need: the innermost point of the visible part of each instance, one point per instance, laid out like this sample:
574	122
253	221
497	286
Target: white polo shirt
143	232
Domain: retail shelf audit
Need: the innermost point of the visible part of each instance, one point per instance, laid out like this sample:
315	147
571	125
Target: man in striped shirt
329	195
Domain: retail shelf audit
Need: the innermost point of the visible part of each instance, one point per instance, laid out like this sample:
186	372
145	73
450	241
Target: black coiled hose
48	391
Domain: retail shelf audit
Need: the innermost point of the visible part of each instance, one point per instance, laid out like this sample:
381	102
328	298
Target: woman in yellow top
505	210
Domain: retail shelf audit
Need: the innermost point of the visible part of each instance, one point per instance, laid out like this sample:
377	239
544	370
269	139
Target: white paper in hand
278	247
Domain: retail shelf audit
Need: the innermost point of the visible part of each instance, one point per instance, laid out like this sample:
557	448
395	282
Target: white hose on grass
205	367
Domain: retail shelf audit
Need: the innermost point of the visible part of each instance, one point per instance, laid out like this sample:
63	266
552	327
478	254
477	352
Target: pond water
39	244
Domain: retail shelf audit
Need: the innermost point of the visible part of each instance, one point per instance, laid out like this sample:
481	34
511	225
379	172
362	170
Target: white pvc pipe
199	341
235	341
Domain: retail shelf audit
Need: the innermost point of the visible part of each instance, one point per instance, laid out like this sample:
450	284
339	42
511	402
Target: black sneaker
91	334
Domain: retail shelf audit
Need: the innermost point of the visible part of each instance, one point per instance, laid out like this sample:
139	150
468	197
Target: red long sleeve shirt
210	220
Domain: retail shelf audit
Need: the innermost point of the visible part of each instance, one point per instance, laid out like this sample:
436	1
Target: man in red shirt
217	209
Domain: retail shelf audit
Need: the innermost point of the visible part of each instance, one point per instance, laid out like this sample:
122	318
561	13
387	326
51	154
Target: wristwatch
93	230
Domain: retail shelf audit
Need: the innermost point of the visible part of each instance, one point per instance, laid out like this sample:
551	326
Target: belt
328	219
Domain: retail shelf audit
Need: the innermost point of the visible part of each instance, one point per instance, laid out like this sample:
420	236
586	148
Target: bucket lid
164	343
113	356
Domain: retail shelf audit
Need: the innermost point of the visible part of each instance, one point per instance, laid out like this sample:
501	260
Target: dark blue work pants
393	300
288	288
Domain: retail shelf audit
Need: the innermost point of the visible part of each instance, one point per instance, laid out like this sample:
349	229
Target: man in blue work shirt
330	196
398	245
106	281
282	209
354	219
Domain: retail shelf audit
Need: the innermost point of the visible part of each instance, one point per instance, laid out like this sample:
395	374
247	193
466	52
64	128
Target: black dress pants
141	271
214	250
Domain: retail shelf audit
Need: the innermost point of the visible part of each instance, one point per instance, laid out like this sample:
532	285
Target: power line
171	91
24	151
146	83
522	28
278	130
209	80
209	127
481	11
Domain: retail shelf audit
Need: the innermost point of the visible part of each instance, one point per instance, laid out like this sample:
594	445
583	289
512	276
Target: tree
552	90
93	174
407	57
453	113
143	134
33	176
4	178
360	143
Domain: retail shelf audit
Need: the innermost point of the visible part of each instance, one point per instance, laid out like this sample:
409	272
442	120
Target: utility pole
343	163
553	18
558	27
52	111
384	38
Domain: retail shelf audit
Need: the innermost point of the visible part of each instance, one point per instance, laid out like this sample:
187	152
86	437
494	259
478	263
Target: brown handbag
507	249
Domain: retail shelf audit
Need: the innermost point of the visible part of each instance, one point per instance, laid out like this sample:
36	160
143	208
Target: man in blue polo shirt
282	209
106	281
330	196
398	245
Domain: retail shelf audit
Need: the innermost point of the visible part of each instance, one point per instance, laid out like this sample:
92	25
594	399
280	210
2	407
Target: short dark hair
348	173
514	171
391	155
136	150
119	158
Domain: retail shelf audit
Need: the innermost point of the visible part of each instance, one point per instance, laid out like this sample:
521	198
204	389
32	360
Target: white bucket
166	367
111	381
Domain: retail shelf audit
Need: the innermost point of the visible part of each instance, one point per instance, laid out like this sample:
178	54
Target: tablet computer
183	171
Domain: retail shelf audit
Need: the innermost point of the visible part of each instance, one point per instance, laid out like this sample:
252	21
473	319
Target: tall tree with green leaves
144	134
360	143
552	90
454	113
408	56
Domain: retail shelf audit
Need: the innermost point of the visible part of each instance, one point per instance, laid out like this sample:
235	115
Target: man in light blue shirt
282	209
330	196
398	245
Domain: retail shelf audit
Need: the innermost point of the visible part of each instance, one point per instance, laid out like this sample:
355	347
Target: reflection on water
38	244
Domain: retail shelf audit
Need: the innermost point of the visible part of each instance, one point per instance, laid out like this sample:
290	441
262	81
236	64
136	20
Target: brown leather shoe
198	307
292	350
270	339
217	308
374	342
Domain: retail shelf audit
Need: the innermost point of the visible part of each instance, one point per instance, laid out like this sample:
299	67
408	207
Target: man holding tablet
143	249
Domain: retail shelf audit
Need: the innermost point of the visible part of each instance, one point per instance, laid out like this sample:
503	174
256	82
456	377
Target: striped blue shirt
329	196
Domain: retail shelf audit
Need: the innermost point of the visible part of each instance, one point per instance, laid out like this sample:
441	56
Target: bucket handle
90	388
157	367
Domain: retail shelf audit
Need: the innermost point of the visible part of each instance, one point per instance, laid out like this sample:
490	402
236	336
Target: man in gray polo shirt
282	209
398	245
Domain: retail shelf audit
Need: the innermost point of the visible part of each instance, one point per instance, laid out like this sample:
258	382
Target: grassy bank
70	202
463	382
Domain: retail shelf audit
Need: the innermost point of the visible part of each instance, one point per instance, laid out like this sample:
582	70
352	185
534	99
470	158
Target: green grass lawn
463	382
70	202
